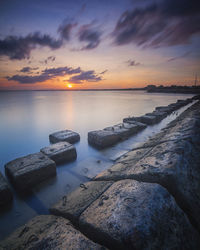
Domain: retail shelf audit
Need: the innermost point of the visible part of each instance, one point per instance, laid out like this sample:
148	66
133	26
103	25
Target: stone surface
172	160
133	215
73	204
5	192
64	135
159	115
50	233
145	119
27	171
102	138
60	152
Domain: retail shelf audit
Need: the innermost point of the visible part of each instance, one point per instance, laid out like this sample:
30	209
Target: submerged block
64	135
48	232
73	204
145	119
135	215
5	192
27	171
60	152
103	138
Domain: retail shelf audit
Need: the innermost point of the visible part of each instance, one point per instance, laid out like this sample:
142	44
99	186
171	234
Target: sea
28	117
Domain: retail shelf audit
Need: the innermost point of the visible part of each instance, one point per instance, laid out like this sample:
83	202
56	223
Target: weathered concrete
48	232
27	171
145	119
102	138
73	204
159	115
172	160
60	152
5	192
133	215
64	135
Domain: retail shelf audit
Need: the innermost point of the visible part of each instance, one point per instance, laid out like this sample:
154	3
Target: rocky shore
149	199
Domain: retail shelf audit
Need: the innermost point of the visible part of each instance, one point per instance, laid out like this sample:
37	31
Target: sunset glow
69	86
98	44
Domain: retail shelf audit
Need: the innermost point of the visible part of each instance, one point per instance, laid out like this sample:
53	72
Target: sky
98	44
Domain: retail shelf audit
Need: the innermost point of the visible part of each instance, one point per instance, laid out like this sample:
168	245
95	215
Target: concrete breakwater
149	199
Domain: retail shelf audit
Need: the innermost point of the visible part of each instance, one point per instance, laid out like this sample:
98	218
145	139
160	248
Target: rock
27	171
145	119
102	138
64	135
5	192
48	232
133	215
159	115
60	152
73	204
164	109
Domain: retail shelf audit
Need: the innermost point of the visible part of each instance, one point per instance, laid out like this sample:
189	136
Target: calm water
27	118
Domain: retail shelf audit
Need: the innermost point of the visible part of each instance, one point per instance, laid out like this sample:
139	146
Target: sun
69	86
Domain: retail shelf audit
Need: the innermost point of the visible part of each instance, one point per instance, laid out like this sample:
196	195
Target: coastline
180	136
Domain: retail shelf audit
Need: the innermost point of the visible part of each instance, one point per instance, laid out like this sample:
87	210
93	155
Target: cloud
103	72
163	23
19	48
90	35
80	76
88	76
27	69
65	30
179	57
133	63
45	75
48	59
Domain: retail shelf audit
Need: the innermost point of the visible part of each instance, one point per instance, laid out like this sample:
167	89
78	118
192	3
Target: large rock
64	135
60	152
73	204
146	119
159	115
103	138
171	159
27	171
5	192
133	215
48	232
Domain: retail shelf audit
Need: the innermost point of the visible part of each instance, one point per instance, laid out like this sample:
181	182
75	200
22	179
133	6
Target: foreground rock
5	192
133	215
64	135
171	159
48	232
60	152
72	205
26	172
111	135
146	119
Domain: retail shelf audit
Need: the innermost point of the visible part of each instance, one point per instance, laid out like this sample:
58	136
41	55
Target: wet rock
145	119
60	152
27	171
48	232
5	192
103	138
159	115
133	215
73	204
64	135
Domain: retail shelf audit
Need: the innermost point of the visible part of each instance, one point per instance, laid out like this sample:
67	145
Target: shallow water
28	117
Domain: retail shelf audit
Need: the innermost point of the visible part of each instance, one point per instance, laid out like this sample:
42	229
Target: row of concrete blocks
132	125
119	212
25	172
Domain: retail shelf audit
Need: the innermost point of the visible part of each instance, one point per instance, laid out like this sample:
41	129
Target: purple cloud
132	63
163	23
27	69
89	76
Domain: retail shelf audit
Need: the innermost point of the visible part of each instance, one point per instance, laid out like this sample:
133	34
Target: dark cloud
20	47
89	76
28	69
48	59
79	75
179	57
103	72
45	75
133	63
65	30
163	23
89	34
